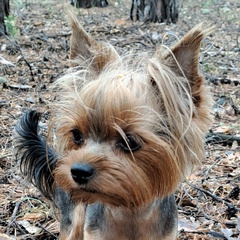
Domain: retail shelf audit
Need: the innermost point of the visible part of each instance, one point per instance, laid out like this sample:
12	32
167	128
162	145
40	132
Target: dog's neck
157	219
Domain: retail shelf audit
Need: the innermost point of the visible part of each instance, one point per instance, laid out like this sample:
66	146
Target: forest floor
37	53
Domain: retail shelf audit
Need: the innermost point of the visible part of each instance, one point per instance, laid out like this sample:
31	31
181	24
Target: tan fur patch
163	105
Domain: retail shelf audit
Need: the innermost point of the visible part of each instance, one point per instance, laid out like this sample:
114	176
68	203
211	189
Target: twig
44	229
15	211
15	43
12	219
8	155
198	207
134	42
56	35
214	197
206	235
216	138
211	167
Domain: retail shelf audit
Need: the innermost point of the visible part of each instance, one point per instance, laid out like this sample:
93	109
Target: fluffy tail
37	159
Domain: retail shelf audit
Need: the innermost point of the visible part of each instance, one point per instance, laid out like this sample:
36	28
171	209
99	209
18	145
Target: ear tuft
80	42
183	58
186	51
83	46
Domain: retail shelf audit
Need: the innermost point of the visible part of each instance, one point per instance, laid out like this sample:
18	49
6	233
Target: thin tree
89	3
155	10
4	12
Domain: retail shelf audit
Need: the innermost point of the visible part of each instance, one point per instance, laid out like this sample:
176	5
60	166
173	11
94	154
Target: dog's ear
183	59
84	47
37	159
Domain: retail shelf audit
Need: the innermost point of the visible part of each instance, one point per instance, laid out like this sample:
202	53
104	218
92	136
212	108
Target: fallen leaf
4	237
238	223
120	22
22	87
5	62
32	217
222	129
187	225
227	233
29	227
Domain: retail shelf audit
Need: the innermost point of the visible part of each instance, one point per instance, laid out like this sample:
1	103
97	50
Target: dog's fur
124	137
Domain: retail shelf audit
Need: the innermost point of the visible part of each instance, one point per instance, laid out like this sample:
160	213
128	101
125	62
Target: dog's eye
128	144
77	136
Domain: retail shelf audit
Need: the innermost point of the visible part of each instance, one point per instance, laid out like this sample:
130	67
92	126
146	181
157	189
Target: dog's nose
81	173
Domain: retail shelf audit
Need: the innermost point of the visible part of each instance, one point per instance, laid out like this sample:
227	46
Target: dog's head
127	133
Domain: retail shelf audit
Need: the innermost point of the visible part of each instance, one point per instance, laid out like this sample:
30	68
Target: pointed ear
83	46
183	58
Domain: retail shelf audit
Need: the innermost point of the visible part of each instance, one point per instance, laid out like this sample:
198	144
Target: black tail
37	160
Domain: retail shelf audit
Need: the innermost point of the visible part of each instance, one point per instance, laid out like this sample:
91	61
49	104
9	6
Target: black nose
82	173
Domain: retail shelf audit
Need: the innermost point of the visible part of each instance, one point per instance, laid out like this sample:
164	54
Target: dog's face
126	136
115	146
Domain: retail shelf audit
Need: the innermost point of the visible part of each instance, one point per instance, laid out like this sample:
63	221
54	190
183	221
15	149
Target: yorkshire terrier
124	136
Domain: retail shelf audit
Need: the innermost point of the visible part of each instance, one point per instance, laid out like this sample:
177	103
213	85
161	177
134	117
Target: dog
122	138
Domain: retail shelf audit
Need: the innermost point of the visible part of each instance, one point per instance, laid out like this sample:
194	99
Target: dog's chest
102	223
124	229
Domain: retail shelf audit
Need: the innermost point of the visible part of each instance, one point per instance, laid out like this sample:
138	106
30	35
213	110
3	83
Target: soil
35	54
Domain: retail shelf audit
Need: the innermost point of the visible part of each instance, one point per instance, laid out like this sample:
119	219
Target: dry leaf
222	129
32	217
29	227
120	22
187	225
4	237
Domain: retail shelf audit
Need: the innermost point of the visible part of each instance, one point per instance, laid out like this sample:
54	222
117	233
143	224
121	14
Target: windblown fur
125	136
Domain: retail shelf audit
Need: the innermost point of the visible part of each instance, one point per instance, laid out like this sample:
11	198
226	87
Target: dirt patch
37	55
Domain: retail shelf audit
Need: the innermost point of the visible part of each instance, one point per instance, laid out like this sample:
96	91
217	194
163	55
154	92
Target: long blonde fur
160	101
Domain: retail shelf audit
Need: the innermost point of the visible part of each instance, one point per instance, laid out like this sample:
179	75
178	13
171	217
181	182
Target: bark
4	12
155	10
89	3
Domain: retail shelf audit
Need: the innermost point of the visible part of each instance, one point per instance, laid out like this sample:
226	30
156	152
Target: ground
37	51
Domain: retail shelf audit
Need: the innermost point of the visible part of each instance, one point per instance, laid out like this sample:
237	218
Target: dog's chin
89	190
89	195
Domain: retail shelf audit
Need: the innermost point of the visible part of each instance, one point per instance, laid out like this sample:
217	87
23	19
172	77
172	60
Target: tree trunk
89	3
155	10
4	12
